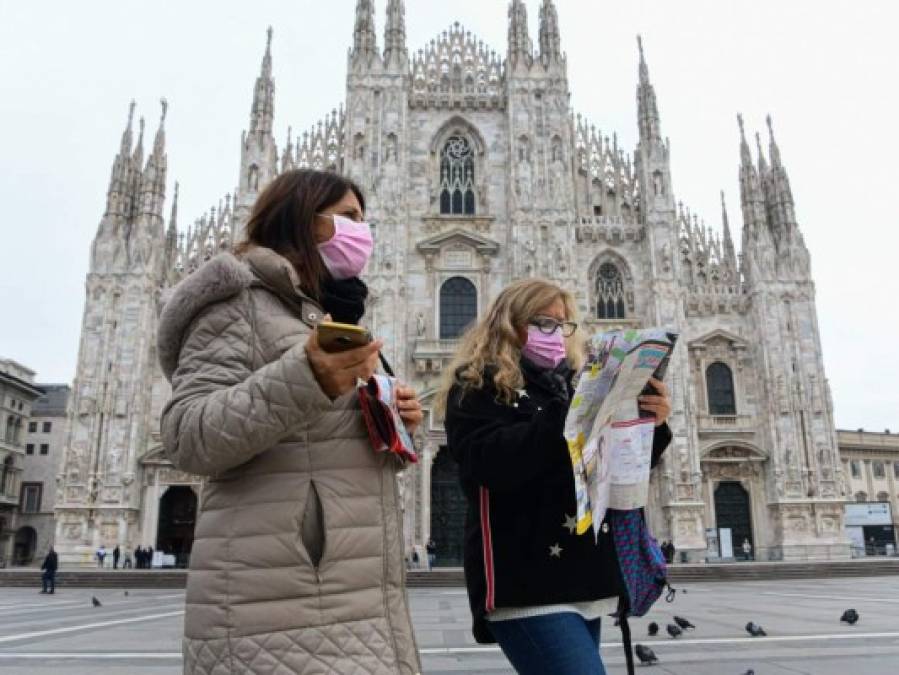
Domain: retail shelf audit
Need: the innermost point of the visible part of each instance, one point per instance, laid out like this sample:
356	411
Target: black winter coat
520	546
51	562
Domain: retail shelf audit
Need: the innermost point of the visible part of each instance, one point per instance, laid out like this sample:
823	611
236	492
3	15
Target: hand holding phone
338	370
340	337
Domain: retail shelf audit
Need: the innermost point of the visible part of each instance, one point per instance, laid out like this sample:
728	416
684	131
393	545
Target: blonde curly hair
494	340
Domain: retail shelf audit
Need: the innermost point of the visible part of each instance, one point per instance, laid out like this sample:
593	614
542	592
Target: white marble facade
535	190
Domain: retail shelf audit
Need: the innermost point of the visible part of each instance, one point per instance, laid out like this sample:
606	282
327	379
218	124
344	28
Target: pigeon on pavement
673	630
850	616
646	655
683	623
755	630
95	602
653	629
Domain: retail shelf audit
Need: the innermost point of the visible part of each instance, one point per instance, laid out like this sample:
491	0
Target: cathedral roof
457	65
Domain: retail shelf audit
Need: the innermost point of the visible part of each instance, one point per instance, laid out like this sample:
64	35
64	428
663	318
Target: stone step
453	576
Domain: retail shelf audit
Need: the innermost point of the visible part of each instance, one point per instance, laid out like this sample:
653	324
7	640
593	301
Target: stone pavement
140	633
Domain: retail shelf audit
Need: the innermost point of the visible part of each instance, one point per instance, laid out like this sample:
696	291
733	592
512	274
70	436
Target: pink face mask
546	351
346	253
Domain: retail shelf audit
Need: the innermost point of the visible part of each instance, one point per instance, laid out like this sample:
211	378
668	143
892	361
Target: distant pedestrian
138	556
663	547
48	578
432	552
747	549
149	557
116	554
101	555
126	560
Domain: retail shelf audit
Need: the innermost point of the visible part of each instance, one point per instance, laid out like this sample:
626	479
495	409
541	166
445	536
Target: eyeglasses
548	325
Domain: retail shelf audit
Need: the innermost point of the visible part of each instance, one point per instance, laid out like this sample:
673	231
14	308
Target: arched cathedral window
457	177
458	307
609	292
720	385
253	178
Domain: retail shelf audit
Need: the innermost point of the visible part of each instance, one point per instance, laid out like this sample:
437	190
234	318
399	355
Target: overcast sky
825	70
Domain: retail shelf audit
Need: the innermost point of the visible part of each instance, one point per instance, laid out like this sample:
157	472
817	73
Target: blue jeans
563	644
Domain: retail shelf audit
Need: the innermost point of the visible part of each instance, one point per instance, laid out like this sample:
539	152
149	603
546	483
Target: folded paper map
609	442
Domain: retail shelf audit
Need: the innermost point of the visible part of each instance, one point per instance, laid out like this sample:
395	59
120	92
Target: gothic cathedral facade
477	173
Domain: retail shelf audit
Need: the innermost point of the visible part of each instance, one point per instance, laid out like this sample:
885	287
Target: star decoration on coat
570	523
555	551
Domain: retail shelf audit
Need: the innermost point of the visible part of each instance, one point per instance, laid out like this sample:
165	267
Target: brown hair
281	219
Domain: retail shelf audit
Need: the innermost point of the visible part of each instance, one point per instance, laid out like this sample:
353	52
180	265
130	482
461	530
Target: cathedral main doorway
177	517
447	510
732	510
26	542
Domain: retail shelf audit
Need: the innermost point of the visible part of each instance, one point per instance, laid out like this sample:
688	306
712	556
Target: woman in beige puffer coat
297	564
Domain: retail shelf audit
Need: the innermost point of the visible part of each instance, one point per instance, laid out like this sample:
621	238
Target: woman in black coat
534	585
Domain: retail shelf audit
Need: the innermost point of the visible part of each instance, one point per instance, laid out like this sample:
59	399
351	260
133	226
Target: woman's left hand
409	407
658	404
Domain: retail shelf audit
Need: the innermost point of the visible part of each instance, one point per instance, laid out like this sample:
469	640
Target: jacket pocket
312	527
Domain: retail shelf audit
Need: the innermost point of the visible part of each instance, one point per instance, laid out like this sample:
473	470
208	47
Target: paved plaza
140	633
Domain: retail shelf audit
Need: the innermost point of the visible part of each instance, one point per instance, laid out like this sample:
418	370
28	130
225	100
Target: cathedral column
869	479
150	526
427	462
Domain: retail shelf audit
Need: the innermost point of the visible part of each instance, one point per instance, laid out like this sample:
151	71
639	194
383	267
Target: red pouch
382	418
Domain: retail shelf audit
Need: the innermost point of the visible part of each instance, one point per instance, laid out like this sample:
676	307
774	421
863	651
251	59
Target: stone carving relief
73	531
111	494
114	461
523	183
109	533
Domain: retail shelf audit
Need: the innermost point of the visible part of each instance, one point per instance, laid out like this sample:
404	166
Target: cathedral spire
550	35
520	45
120	176
728	240
159	141
647	108
763	165
782	193
751	198
773	150
365	42
138	155
287	159
152	179
127	137
262	113
173	215
395	35
258	151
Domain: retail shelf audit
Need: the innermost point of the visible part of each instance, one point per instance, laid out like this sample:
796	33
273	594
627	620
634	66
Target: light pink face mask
346	253
546	351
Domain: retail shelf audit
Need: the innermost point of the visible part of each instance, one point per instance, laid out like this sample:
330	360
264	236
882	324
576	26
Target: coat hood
222	277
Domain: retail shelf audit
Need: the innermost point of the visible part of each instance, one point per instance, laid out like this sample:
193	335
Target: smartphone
659	374
340	337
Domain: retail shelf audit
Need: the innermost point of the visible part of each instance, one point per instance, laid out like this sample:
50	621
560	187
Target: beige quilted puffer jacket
297	563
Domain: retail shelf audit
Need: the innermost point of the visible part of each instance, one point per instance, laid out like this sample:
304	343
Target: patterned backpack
643	571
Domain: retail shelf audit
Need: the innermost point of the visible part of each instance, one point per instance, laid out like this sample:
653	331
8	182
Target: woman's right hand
338	372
